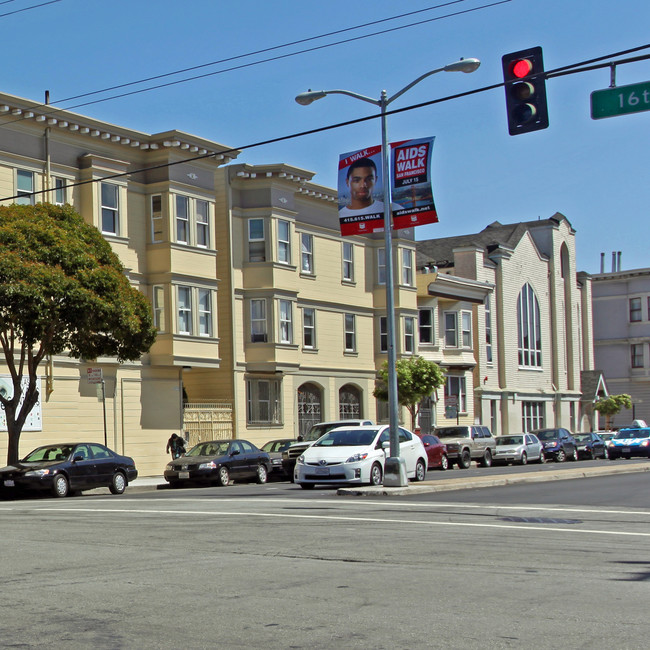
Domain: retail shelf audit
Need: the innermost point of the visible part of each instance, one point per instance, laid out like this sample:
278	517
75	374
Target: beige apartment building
268	320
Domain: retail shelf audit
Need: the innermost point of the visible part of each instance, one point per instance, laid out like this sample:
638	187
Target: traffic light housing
525	86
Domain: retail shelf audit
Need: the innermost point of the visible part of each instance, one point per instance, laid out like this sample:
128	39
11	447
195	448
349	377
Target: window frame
106	209
202	223
284	241
25	196
60	190
204	313
466	329
257	399
461	394
635	310
158	306
307	253
409	337
259	336
532	416
637	354
182	222
350	332
407	267
453	315
256	251
381	266
426	327
184	310
157	224
347	256
529	329
383	334
488	329
285	321
309	329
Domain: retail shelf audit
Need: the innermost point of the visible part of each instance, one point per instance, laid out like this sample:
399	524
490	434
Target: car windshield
347	438
452	432
49	453
320	429
633	433
582	437
547	434
213	448
276	445
510	440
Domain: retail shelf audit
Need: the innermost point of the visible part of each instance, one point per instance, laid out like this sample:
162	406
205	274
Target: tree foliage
62	290
417	378
610	406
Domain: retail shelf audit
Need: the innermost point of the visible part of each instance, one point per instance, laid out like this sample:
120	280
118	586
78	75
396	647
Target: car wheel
262	474
524	458
420	471
542	457
444	463
307	486
574	456
118	484
605	453
376	475
464	459
60	487
224	476
560	457
486	461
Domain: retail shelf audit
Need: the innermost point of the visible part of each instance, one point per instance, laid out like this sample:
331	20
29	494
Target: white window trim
205	314
156	219
348	261
284	244
407	267
309	327
409	337
285	321
113	209
184	310
307	253
158	306
263	336
256	240
350	332
26	197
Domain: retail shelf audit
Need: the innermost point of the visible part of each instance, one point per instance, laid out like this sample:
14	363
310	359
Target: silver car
518	448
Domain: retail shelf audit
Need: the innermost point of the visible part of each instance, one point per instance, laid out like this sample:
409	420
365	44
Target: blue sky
593	172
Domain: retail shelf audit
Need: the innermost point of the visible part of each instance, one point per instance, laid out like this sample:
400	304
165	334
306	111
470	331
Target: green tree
417	378
610	406
62	290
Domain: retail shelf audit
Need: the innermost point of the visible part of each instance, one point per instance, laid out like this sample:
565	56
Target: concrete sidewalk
444	483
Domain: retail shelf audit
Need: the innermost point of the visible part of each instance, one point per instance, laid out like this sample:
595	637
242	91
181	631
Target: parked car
357	455
467	443
590	445
274	449
68	468
559	444
605	436
290	455
630	442
518	448
217	462
436	452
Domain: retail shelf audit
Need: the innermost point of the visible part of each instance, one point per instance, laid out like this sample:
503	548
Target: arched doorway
349	402
309	407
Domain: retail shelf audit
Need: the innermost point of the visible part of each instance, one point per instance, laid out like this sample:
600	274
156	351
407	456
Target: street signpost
96	376
620	100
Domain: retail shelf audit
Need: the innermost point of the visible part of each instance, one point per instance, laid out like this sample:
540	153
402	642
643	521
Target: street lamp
394	468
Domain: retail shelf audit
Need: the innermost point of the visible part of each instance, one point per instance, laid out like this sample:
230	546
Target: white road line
547	529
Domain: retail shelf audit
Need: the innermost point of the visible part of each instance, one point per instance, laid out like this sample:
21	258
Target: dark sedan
436	452
558	444
68	468
217	462
274	449
590	446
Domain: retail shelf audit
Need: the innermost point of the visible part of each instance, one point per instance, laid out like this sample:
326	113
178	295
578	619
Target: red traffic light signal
525	86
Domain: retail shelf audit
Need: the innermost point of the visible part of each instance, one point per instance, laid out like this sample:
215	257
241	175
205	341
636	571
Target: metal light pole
394	468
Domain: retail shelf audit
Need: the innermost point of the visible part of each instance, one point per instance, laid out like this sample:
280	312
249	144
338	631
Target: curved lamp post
394	469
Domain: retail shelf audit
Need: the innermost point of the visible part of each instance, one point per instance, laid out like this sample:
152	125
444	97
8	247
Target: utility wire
17	11
574	68
54	111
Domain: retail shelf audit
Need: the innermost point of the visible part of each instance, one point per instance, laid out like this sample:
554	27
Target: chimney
613	261
602	262
618	262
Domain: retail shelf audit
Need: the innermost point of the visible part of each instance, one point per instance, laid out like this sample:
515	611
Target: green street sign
620	100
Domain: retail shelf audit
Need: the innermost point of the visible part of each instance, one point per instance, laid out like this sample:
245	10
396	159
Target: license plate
183	474
625	450
323	471
9	483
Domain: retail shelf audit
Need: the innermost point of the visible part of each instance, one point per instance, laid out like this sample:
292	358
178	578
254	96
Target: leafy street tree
417	378
62	290
610	406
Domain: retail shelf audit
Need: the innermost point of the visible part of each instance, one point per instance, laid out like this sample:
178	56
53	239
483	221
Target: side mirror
234	452
385	444
77	457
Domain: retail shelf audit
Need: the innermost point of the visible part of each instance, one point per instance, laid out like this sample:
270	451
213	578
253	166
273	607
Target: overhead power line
574	68
17	11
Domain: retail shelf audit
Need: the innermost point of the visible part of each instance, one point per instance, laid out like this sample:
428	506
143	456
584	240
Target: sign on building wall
361	187
34	421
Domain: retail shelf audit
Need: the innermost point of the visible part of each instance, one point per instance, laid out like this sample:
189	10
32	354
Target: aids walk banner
411	188
360	187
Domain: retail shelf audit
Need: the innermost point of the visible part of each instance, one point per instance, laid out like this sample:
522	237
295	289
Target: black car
217	462
590	445
68	468
274	449
558	444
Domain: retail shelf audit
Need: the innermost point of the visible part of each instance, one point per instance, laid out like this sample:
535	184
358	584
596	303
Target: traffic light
525	86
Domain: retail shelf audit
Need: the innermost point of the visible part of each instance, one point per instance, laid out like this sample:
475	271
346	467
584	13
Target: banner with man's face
411	187
361	206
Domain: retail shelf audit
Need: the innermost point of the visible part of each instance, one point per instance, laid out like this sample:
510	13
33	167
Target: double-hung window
383	334
381	266
60	191
466	323
407	267
263	401
409	335
348	262
350	333
258	321
451	329
532	416
309	328
158	301
307	253
286	322
205	312
425	317
636	355
636	315
156	218
256	241
182	219
284	242
25	187
488	330
184	310
202	223
110	208
455	389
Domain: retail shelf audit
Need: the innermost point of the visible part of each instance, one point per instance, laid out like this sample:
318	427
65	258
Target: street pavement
443	483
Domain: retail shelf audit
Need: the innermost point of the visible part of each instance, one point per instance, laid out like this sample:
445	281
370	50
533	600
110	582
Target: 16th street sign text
620	100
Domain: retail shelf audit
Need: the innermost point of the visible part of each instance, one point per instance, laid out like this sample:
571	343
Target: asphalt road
546	565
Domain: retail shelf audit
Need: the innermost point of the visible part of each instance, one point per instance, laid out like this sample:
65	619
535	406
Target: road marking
415	522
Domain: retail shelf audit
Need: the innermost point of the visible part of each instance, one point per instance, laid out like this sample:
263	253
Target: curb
490	481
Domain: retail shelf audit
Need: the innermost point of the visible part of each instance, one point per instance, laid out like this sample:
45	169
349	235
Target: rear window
633	433
452	432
